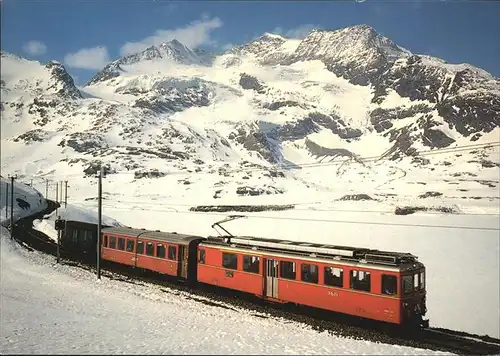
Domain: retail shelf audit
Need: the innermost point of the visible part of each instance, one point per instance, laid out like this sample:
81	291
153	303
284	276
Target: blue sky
86	34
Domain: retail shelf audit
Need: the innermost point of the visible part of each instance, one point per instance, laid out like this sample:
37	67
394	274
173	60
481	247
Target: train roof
317	250
172	237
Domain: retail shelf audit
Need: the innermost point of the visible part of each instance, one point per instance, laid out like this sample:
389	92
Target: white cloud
88	58
35	48
192	35
227	46
169	8
299	33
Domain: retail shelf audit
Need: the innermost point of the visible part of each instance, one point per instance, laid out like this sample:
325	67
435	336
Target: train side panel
157	264
210	271
113	254
123	250
341	300
344	298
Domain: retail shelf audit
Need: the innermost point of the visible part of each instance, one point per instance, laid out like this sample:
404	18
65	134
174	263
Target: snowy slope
302	113
109	317
27	201
169	53
74	213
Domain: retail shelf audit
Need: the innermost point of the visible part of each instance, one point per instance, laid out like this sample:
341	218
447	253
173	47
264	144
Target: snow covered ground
66	309
461	251
27	201
70	212
48	308
461	263
58	136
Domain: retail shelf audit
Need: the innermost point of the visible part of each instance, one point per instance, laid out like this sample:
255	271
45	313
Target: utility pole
61	195
58	242
57	195
6	200
99	217
59	226
66	195
31	182
46	188
12	207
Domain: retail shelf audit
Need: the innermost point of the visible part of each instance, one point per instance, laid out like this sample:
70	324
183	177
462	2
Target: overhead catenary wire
313	209
314	220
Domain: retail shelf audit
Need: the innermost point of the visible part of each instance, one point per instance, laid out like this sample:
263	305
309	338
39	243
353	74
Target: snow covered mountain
173	51
340	96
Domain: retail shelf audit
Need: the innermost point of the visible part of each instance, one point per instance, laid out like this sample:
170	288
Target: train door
271	278
183	261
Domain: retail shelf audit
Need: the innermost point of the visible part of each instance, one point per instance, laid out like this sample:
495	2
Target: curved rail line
337	324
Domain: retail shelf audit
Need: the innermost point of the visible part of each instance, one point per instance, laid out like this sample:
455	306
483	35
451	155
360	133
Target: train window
422	280
150	249
229	260
160	251
140	247
121	243
75	236
407	284
112	242
87	236
334	276
309	273
105	241
251	264
87	239
287	270
202	256
172	252
360	280
415	281
389	284
130	245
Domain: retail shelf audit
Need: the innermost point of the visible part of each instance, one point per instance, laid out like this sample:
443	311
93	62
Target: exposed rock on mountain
356	53
248	82
336	95
270	49
171	50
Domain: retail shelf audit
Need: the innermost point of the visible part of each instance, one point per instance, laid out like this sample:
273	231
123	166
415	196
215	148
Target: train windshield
413	282
407	284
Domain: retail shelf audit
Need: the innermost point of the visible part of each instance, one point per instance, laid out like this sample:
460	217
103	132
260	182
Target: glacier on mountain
273	102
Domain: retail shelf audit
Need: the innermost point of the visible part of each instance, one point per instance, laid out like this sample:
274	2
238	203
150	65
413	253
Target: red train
379	285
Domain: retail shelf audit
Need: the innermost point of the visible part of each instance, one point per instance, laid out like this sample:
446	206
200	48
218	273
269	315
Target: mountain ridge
269	102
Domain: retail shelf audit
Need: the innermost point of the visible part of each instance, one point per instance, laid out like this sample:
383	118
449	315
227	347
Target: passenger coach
379	285
164	252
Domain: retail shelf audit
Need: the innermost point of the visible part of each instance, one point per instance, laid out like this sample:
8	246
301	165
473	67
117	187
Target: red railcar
378	285
168	253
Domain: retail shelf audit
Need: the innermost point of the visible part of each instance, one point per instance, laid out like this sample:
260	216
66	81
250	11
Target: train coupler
424	323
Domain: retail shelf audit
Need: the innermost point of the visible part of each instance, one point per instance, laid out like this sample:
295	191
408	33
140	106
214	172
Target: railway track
337	324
